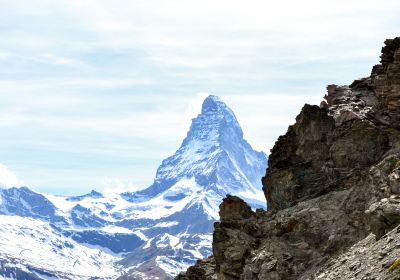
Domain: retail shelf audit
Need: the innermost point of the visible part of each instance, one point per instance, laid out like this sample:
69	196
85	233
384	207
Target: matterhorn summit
215	155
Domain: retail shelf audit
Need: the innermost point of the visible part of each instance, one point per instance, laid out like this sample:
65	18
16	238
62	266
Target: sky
95	94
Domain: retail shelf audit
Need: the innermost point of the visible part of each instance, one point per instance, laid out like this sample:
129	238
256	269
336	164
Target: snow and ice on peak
167	240
92	194
215	154
165	227
214	108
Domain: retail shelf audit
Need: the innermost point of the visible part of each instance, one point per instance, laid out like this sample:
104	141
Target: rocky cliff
332	188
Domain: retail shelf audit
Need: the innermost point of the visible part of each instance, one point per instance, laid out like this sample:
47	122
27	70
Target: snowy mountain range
149	234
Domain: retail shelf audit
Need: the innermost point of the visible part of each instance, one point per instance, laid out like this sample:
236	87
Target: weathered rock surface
332	187
386	81
368	259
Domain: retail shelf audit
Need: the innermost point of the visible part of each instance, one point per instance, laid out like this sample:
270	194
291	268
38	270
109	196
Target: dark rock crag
333	193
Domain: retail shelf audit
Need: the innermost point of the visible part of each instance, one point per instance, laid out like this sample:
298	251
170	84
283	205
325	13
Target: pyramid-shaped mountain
215	155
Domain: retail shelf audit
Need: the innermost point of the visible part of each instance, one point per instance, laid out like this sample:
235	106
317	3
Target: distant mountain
158	231
215	154
34	249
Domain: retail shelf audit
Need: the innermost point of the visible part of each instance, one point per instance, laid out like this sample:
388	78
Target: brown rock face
318	152
234	209
333	182
232	238
349	131
298	160
203	270
385	79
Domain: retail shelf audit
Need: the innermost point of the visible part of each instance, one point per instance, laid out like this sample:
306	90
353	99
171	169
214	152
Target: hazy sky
94	94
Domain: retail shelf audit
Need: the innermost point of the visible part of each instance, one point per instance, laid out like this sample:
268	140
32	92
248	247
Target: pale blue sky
94	94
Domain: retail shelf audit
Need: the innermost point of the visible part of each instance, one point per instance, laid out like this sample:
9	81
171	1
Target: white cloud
116	186
195	104
8	179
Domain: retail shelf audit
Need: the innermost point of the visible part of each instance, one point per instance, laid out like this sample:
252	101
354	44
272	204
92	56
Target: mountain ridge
158	231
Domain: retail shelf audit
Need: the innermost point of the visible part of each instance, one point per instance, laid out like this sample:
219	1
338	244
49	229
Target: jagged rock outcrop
204	269
332	188
386	81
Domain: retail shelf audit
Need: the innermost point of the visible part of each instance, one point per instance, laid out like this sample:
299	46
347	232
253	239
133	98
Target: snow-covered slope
162	229
32	249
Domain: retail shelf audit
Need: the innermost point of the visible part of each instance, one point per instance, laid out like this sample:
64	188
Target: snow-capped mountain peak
214	153
215	117
215	106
